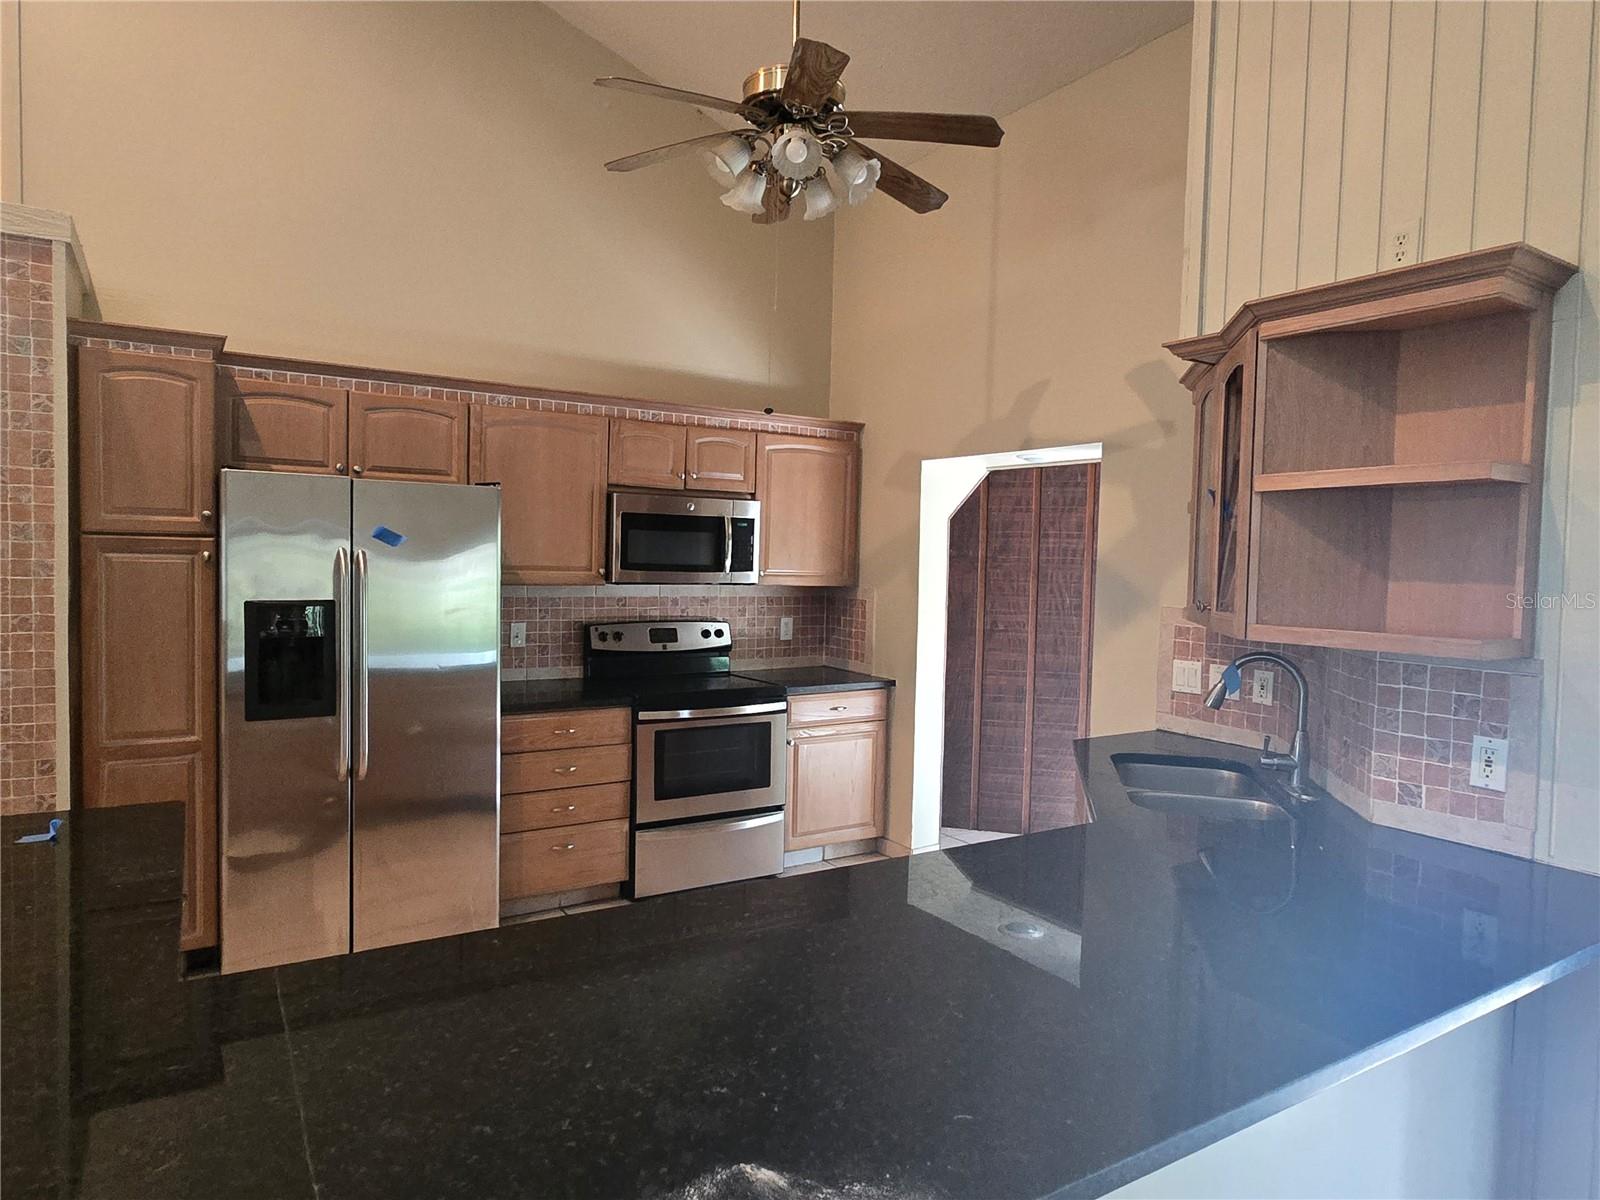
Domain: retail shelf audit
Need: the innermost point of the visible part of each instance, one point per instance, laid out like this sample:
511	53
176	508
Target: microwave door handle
727	544
363	700
341	601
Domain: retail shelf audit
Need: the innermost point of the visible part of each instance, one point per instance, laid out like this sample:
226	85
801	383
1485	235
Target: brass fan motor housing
766	82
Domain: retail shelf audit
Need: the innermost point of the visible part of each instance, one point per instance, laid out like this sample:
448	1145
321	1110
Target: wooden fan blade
699	99
774	206
649	158
956	129
915	192
814	68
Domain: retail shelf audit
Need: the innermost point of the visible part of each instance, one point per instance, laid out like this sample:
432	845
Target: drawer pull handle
568	808
568	846
565	770
564	732
839	708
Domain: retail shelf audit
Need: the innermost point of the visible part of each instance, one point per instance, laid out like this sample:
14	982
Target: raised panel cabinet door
808	490
647	454
147	443
423	441
551	468
836	784
286	426
721	460
148	644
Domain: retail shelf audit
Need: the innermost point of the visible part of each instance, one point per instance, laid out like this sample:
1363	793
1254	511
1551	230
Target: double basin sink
1195	786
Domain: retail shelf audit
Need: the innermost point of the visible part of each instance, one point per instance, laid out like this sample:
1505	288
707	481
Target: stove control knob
705	633
602	635
616	635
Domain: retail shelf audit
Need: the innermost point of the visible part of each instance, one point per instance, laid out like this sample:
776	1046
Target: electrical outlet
519	633
786	629
1186	676
1489	763
1403	244
1480	937
1261	687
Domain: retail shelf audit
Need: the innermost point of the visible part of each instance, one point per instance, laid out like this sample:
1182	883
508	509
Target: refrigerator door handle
341	599
363	725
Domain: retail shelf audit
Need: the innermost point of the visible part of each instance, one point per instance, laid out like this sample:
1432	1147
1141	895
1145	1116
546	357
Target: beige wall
410	186
1318	128
1030	311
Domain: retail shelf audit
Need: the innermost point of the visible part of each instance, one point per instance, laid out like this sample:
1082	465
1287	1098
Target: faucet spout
1298	760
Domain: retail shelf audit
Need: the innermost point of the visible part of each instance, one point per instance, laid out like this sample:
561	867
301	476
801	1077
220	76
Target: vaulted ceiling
978	56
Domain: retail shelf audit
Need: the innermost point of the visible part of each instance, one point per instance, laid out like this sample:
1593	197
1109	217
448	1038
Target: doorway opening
1005	619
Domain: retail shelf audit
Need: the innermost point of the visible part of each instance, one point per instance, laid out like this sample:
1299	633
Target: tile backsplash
1391	736
830	625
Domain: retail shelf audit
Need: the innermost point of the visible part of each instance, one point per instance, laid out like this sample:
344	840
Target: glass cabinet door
1203	502
1234	398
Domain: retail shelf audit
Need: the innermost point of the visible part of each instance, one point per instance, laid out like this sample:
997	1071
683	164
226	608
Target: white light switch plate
1216	675
1489	763
1261	686
1186	676
519	633
786	629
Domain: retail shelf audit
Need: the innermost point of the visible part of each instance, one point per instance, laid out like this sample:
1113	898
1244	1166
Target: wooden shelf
1473	649
1396	475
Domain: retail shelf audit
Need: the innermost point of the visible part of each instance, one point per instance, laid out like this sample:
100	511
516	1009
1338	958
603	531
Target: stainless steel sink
1198	787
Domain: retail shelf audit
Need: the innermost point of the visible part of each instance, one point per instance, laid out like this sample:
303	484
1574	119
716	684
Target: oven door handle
694	714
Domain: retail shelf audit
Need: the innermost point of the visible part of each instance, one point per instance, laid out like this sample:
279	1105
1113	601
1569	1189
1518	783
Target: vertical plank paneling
1250	91
1406	136
1453	137
1214	296
1505	111
1361	185
1286	136
1324	152
1555	150
1198	171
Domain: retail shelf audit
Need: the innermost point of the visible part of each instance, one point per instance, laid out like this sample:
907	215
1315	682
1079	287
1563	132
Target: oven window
664	542
707	760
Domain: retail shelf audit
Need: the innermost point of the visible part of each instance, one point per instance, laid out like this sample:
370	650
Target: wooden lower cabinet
837	778
147	623
564	811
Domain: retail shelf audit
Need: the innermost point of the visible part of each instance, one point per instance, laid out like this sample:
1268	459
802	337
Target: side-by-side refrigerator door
425	799
285	797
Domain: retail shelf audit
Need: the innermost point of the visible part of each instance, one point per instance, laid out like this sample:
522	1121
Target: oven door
670	539
709	762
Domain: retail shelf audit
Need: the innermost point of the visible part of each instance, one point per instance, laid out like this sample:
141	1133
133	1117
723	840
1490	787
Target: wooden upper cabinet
147	443
394	437
551	468
1202	499
148	640
808	490
285	426
647	454
721	460
1233	425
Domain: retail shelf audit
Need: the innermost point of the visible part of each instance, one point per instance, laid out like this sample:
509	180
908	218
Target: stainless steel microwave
682	539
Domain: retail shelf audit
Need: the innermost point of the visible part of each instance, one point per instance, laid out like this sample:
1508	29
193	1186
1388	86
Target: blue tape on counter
387	536
55	828
1231	677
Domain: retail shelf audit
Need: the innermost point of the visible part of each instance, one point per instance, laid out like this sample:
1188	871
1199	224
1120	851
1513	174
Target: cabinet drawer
568	806
547	770
563	859
563	730
869	705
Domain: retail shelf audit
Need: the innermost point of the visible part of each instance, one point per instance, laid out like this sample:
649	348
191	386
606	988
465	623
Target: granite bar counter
1049	1015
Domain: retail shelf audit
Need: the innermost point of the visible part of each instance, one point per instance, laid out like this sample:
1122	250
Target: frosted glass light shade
745	195
857	178
797	154
820	199
727	158
852	166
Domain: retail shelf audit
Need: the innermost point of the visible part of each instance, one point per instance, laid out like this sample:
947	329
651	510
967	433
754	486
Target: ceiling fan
803	143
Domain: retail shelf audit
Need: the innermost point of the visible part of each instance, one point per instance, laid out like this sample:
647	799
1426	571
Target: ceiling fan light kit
800	133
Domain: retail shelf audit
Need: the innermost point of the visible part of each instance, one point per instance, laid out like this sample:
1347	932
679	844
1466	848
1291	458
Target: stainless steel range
710	771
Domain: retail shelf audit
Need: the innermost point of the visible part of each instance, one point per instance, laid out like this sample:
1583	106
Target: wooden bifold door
1020	605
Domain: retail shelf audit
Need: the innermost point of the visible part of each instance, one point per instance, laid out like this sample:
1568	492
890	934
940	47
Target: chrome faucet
1298	761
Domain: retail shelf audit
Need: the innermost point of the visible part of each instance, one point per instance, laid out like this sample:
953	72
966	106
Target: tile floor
829	864
965	837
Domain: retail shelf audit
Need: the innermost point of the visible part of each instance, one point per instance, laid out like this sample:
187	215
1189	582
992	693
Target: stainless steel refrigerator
360	714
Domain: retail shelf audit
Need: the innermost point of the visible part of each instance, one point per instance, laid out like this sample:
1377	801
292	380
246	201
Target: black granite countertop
519	696
867	1031
800	680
